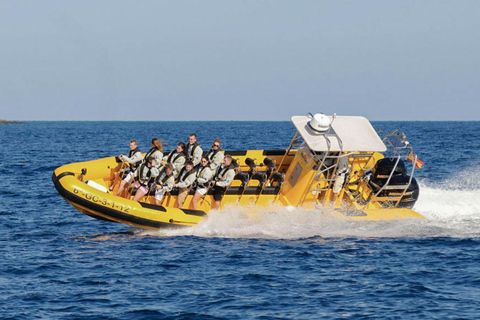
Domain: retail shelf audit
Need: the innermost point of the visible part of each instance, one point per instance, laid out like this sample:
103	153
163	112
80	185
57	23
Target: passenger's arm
217	160
207	176
178	164
168	186
197	156
137	156
158	156
154	171
187	183
227	180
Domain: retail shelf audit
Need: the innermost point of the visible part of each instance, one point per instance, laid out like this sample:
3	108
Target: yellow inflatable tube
69	180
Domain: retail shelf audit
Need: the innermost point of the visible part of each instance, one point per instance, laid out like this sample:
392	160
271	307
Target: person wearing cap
204	175
177	158
185	181
193	151
223	179
215	155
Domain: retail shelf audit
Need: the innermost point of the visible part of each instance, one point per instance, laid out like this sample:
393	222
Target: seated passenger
215	155
133	159
193	151
185	181
156	152
164	182
142	176
176	158
223	179
204	175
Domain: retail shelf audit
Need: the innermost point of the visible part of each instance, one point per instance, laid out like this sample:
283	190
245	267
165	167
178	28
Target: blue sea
57	263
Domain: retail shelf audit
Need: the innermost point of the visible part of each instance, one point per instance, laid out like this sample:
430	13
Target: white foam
444	204
451	210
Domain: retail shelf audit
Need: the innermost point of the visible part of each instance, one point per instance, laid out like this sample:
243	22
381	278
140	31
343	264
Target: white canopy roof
356	134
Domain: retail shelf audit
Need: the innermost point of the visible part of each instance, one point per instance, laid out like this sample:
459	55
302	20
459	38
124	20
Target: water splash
450	209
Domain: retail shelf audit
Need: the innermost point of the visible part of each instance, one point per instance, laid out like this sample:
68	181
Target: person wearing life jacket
144	173
134	158
141	176
177	158
156	152
204	175
193	151
215	155
164	182
185	181
223	179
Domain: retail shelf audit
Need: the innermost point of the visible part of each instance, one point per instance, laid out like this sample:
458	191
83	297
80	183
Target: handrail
385	185
294	140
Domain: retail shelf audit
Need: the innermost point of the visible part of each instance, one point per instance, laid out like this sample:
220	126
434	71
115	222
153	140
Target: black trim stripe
236	152
153	206
199	213
278	152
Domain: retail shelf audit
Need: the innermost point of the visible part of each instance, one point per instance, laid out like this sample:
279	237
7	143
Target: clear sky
239	60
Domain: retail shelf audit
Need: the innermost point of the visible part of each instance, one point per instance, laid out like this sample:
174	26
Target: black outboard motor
382	170
384	167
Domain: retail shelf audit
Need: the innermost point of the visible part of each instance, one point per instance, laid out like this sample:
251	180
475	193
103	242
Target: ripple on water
58	263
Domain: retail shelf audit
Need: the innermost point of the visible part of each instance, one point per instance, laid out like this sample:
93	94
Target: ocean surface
57	263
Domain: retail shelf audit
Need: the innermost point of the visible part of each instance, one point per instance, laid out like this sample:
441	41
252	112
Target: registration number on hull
103	201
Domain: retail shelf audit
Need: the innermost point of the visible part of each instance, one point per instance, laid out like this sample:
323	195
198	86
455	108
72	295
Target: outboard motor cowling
396	186
385	166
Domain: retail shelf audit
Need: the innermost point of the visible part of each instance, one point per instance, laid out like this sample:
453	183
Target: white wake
451	209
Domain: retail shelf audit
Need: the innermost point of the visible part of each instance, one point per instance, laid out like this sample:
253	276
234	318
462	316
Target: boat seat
243	177
251	163
255	190
261	177
277	178
251	190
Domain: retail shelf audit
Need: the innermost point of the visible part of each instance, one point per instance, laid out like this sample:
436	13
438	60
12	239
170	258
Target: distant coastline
11	122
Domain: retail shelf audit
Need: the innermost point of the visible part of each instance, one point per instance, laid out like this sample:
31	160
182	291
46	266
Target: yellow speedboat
338	162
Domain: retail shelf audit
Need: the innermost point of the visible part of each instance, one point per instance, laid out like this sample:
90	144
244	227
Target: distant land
11	122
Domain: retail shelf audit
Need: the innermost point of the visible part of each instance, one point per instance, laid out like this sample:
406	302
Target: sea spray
448	212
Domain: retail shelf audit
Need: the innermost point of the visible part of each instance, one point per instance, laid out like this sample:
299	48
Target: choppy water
274	264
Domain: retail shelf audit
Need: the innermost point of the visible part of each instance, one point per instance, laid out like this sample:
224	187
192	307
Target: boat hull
69	180
105	206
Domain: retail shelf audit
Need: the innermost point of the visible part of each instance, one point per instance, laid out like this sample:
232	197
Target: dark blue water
57	263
